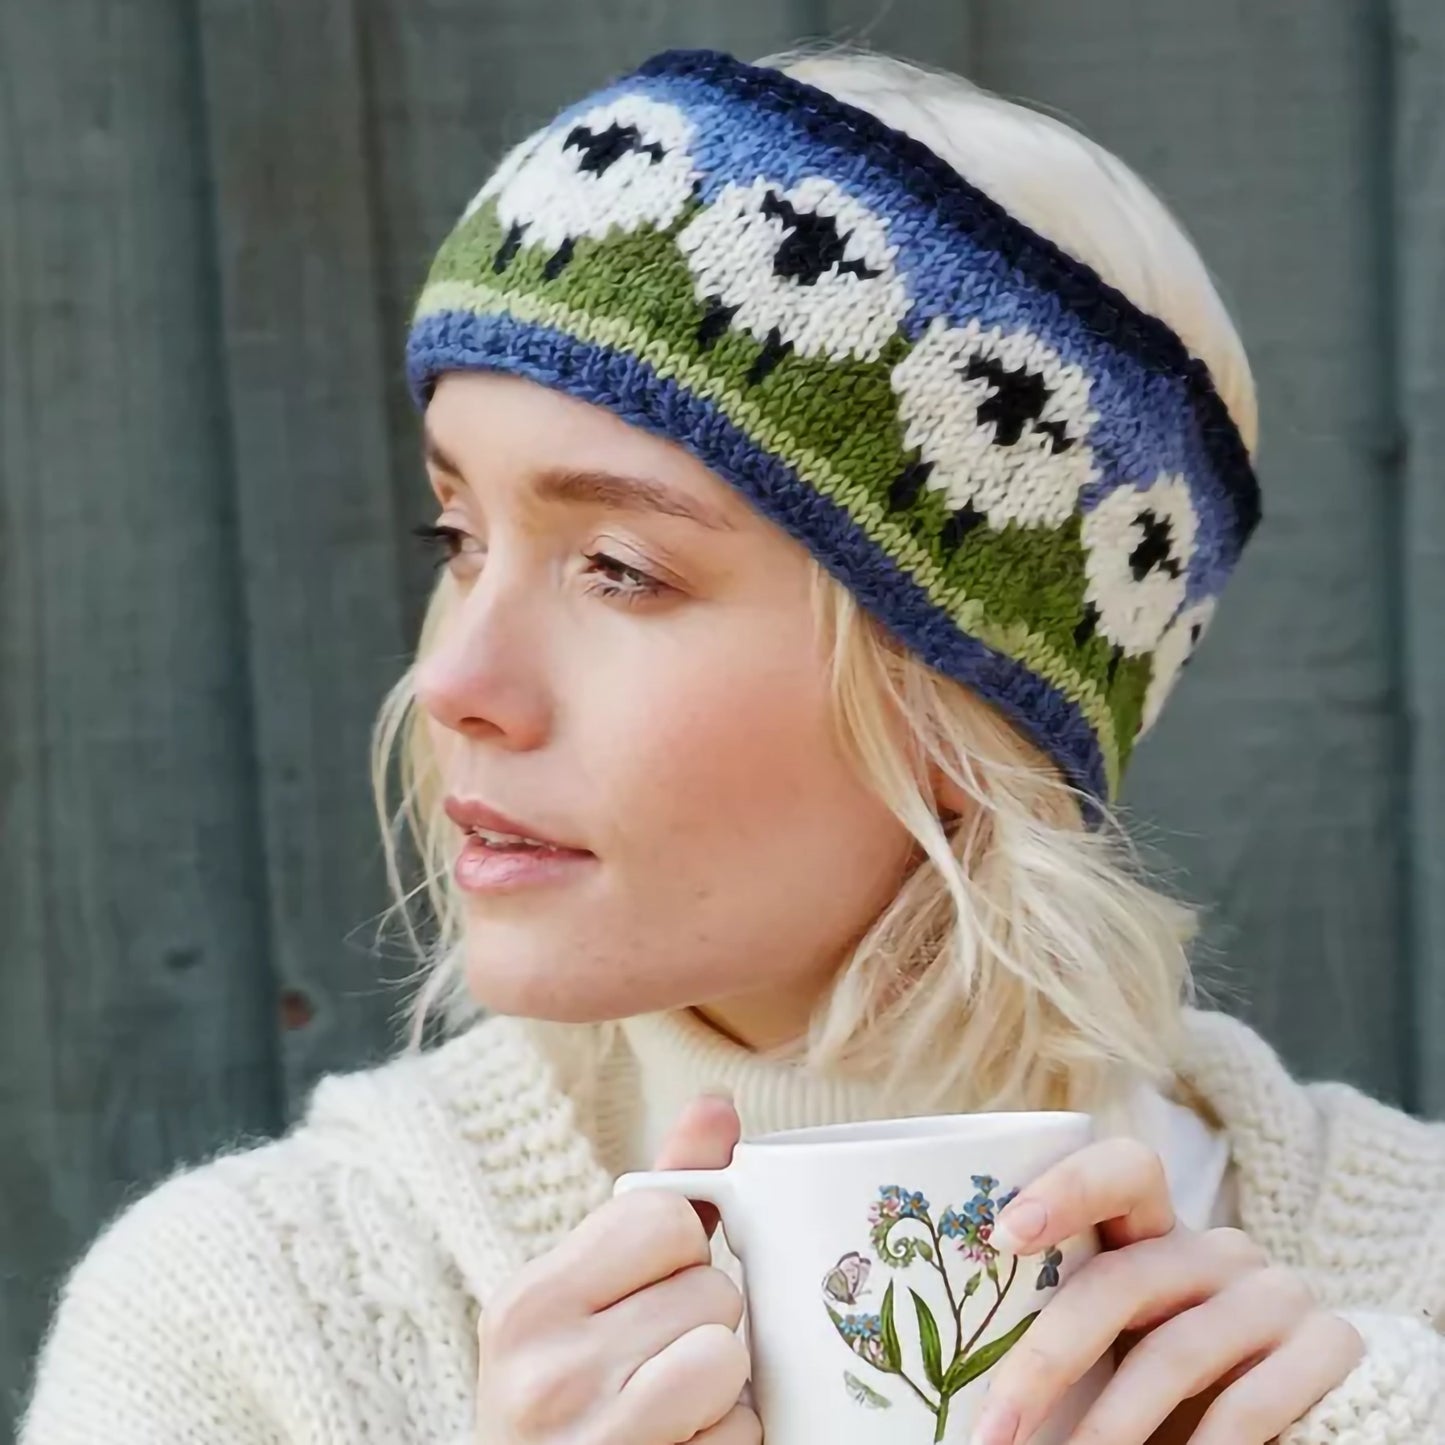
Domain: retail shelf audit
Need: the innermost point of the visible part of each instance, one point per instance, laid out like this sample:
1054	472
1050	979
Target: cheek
732	778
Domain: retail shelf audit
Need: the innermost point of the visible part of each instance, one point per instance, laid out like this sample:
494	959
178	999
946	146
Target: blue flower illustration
861	1327
972	1223
915	1206
894	1206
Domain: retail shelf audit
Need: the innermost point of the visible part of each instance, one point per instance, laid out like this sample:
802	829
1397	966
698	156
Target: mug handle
711	1186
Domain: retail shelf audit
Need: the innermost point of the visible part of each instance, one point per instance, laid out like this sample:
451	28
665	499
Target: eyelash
447	543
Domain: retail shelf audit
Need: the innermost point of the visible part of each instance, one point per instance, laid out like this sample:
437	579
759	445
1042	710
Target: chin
520	989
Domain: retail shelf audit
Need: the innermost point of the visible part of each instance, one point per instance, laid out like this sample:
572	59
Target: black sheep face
999	424
1139	543
621	166
802	268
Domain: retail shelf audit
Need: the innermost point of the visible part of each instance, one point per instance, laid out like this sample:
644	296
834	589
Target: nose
480	673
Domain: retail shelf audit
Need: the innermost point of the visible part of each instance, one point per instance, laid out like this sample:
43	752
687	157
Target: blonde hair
1026	961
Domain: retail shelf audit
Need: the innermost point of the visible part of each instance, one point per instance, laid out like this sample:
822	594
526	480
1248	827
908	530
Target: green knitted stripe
845	410
704	378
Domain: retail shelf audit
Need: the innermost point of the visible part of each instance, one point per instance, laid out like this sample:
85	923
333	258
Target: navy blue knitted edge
1103	309
628	387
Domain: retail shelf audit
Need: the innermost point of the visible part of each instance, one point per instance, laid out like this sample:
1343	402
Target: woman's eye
449	544
606	576
612	578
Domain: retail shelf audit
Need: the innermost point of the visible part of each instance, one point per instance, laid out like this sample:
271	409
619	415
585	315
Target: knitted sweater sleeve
286	1293
135	1352
1394	1396
1350	1193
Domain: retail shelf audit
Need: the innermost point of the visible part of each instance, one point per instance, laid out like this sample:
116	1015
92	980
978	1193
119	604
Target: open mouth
514	842
493	862
500	855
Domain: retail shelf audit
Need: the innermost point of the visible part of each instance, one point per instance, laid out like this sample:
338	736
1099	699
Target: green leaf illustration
985	1357
836	1318
928	1337
892	1350
926	1250
971	1288
865	1394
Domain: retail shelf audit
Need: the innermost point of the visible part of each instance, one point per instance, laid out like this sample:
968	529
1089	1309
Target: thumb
703	1136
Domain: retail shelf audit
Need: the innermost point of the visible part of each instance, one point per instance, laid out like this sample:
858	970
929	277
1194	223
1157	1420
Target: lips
505	858
477	819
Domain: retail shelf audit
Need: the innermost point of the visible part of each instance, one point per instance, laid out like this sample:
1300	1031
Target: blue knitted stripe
627	386
956	229
1152	419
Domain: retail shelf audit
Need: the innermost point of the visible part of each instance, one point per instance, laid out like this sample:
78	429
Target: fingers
620	1248
1126	1290
647	1322
1118	1185
640	1238
740	1426
1283	1388
1195	1350
623	1332
690	1386
703	1137
594	1361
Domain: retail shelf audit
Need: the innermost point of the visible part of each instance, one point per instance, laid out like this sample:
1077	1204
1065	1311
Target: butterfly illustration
863	1394
846	1280
1049	1274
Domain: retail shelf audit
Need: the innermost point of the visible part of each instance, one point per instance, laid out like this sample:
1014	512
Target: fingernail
998	1424
1019	1225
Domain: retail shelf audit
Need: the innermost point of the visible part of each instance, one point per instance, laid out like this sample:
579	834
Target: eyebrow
594	486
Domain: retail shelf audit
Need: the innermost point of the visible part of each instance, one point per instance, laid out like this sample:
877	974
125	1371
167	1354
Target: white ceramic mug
876	1304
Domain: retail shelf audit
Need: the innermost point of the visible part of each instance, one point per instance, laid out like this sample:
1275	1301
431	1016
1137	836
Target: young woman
835	465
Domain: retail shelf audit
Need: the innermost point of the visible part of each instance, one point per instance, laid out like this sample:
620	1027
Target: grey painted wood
936	33
214	218
306	375
135	1017
1419	376
447	94
1276	779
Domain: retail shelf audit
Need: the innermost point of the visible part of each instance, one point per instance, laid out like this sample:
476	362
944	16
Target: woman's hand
1214	1316
624	1334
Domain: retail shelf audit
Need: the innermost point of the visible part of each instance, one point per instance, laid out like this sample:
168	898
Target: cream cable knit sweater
323	1288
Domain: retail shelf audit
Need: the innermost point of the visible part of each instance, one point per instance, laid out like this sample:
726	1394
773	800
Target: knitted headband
1027	479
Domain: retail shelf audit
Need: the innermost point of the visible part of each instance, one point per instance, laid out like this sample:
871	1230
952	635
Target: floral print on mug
903	1234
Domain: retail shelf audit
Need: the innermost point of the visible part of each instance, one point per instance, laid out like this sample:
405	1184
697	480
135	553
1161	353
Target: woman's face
630	669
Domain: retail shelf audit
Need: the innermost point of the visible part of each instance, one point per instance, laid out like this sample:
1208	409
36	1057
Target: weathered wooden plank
1418	34
135	1022
449	87
935	33
307	373
1279	771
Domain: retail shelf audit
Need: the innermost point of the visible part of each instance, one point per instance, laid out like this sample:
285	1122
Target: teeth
507	840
